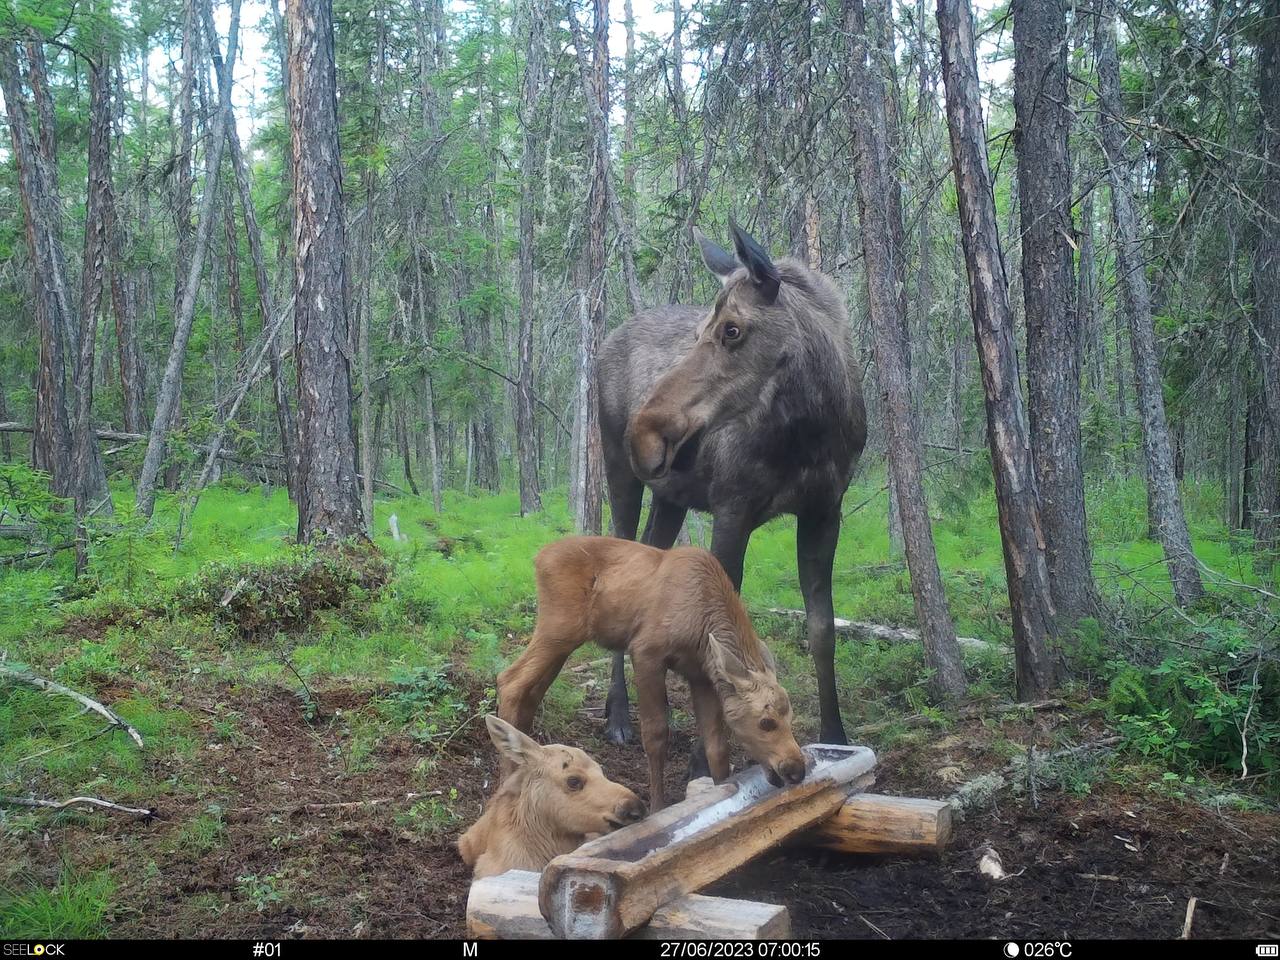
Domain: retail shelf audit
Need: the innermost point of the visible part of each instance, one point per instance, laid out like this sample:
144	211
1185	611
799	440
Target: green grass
73	909
460	596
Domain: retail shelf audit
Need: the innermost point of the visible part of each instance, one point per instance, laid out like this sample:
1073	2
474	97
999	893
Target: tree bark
329	501
267	308
530	178
1162	486
880	213
1266	258
51	439
1041	136
1016	498
169	394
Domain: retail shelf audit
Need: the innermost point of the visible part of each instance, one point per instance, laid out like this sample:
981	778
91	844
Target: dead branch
48	686
879	632
964	713
978	791
63	804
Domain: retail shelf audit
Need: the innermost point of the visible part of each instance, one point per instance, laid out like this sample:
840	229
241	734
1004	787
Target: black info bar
993	949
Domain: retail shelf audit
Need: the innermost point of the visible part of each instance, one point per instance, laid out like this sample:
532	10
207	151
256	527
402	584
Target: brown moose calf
670	610
555	799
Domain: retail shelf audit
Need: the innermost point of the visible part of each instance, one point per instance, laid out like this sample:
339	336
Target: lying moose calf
670	610
555	800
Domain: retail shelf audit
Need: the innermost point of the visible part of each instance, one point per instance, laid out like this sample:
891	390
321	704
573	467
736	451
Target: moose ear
724	664
718	260
511	743
763	273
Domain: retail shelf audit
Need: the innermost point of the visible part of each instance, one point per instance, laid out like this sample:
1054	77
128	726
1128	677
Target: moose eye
768	724
732	332
574	783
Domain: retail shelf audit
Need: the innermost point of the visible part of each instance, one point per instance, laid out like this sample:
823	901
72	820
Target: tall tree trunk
1162	486
169	394
90	479
883	242
268	311
1266	256
1041	136
1020	531
530	179
51	433
329	501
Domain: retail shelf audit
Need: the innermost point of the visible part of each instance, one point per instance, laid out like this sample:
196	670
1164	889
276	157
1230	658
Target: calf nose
630	810
792	770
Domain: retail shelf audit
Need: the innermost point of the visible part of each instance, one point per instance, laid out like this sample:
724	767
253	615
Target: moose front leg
711	724
816	538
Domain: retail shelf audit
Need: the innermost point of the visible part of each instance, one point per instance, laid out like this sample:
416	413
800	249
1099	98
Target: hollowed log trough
642	880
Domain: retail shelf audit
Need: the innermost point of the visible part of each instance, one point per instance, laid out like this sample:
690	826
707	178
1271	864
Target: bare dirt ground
303	853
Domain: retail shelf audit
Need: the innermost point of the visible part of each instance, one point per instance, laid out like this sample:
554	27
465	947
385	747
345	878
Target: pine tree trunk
534	135
883	246
1041	136
51	432
329	501
1163	495
169	395
1016	499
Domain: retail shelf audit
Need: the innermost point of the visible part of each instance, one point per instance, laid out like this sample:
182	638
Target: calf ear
718	260
764	274
511	743
724	664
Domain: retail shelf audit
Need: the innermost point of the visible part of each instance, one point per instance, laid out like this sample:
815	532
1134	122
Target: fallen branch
964	713
1191	915
978	791
48	686
35	554
63	804
879	632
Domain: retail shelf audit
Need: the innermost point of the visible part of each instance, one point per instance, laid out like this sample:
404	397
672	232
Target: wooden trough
642	880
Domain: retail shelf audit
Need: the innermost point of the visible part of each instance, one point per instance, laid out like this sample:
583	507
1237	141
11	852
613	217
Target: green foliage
73	909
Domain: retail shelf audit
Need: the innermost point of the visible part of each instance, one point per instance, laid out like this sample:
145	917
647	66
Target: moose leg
730	534
661	530
655	733
711	724
522	685
816	537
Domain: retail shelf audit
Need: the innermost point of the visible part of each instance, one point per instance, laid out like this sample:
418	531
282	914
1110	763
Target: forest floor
311	781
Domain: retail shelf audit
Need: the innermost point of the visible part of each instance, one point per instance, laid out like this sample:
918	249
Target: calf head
757	709
740	349
562	791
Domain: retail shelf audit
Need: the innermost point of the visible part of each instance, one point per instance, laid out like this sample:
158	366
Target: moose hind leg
816	537
617	713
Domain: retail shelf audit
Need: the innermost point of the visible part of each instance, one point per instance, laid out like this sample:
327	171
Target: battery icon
1268	949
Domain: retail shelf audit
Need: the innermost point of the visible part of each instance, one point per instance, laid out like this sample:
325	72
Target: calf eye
768	725
574	783
732	332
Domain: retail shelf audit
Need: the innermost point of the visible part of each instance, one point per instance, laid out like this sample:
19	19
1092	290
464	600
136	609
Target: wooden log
505	907
611	886
879	632
874	823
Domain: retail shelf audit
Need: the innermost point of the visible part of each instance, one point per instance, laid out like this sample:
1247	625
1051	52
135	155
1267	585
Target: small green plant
431	817
72	909
262	892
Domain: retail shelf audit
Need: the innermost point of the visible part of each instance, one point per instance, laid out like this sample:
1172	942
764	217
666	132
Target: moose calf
555	799
670	610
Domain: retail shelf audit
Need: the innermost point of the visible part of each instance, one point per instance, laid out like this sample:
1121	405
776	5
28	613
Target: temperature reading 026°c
1051	950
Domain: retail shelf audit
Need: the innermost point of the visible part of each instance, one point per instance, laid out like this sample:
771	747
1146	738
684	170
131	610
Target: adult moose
749	410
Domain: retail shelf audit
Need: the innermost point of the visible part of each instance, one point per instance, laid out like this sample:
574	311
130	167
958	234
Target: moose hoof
619	731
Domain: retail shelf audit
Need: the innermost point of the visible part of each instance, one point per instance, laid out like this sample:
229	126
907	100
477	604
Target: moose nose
792	770
630	810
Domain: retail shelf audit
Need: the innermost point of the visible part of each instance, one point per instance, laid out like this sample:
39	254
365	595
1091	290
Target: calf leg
816	538
655	733
711	724
522	685
661	530
730	534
